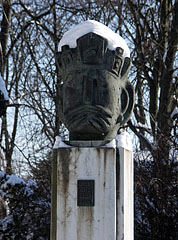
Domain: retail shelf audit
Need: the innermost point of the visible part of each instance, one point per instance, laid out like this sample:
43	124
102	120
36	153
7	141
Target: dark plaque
85	193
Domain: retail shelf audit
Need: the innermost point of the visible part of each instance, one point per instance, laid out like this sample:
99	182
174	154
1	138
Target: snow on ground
124	140
3	88
114	39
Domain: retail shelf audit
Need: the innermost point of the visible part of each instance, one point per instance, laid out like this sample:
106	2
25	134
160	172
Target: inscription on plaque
85	193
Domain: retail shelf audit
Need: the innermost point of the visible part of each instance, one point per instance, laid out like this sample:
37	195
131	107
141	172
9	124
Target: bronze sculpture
96	98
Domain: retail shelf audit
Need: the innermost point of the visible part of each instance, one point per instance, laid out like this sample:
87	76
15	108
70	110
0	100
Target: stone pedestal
125	199
89	202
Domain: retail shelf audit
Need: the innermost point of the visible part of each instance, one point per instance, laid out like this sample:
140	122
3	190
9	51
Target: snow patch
13	180
124	140
59	143
2	174
114	39
32	183
7	221
111	144
175	112
3	88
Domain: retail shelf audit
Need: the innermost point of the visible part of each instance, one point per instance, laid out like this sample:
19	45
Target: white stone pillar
83	172
125	200
86	181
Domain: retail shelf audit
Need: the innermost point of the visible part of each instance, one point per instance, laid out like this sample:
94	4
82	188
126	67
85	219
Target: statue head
95	97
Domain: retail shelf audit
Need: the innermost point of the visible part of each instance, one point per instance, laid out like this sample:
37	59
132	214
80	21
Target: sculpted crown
92	49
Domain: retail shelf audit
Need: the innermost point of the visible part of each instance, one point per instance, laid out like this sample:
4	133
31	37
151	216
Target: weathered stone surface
125	196
98	220
110	217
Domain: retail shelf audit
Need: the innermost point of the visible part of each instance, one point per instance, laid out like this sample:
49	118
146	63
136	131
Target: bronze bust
96	98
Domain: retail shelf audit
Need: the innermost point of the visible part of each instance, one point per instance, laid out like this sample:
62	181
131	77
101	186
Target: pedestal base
84	202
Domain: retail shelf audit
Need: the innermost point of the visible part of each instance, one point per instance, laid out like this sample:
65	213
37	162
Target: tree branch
142	138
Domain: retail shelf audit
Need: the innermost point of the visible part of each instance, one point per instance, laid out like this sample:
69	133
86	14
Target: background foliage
28	209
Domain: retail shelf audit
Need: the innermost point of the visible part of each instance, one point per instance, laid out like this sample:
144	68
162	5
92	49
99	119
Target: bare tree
29	67
152	28
38	28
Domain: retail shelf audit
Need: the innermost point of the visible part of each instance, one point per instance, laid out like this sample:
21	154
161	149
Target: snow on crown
93	49
91	26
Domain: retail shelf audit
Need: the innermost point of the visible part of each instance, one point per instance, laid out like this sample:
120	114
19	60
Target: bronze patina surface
95	98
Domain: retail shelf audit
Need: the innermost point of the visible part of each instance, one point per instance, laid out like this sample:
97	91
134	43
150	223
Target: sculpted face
95	97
